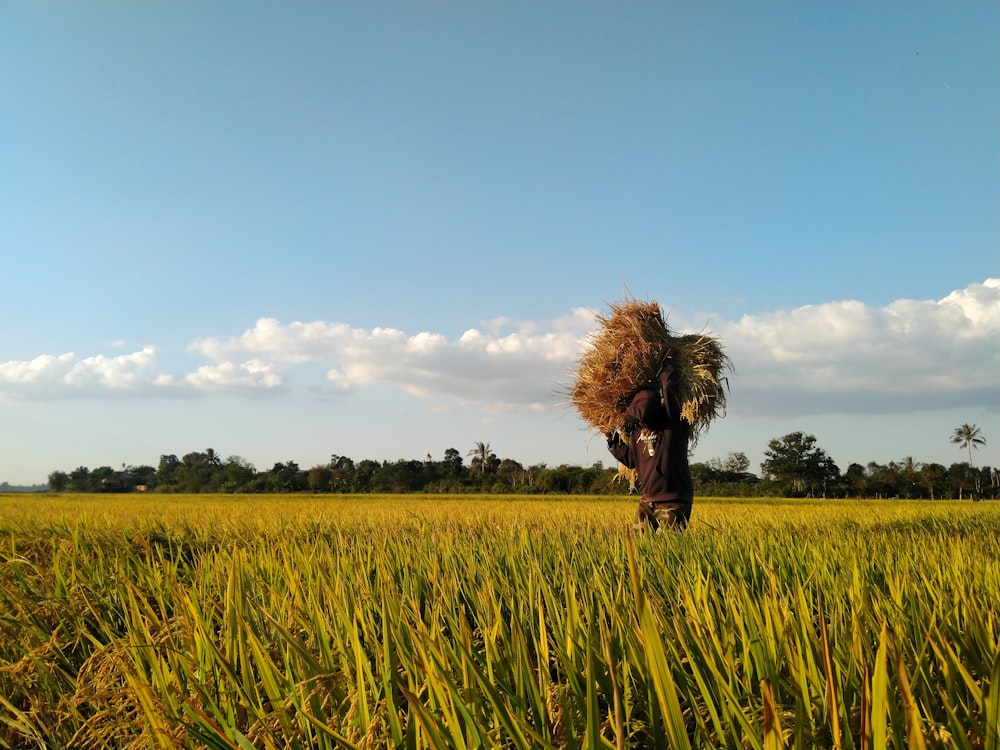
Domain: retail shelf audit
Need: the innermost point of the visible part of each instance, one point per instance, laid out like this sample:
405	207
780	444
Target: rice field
495	622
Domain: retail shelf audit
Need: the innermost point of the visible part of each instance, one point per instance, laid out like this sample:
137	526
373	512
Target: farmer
655	444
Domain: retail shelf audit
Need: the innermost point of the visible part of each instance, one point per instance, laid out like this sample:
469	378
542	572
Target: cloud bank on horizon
834	357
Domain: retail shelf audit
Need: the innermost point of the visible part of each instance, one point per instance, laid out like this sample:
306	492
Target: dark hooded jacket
656	446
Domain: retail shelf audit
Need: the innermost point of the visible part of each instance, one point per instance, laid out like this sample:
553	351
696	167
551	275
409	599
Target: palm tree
969	436
481	455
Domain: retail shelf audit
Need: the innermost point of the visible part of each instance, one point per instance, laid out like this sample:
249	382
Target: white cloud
42	369
837	357
136	375
253	377
67	375
520	368
848	357
123	372
295	342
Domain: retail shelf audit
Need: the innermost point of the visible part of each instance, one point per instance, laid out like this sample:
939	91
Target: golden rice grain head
626	352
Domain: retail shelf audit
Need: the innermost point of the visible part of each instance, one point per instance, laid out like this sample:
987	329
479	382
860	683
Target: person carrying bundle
651	392
654	443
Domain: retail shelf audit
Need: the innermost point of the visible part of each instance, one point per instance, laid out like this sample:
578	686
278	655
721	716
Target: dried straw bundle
627	353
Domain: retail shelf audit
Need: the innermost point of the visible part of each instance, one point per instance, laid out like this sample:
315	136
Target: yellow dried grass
626	353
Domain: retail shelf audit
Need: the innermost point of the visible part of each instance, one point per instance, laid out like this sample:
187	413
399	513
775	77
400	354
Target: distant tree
532	472
483	458
908	473
319	478
856	480
932	479
510	472
969	436
364	474
166	473
577	480
883	480
79	479
736	462
704	473
342	474
452	463
236	475
604	482
400	476
560	479
105	479
594	480
962	479
58	481
198	472
286	477
799	465
725	477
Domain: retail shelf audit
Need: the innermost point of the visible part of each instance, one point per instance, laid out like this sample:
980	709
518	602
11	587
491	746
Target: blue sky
381	230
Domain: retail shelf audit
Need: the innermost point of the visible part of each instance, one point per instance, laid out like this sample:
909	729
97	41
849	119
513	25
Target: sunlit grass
449	621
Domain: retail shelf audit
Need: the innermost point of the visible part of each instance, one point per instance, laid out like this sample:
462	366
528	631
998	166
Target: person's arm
666	378
619	448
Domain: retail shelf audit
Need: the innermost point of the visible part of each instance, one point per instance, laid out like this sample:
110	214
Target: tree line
794	466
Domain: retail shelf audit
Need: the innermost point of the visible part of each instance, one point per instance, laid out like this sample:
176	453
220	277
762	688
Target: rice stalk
536	624
627	352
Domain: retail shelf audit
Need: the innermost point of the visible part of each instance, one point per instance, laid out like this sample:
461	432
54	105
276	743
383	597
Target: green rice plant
438	622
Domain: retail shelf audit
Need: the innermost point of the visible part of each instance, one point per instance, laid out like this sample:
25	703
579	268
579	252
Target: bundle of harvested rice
627	352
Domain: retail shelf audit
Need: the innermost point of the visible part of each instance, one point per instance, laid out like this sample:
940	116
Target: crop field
511	622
